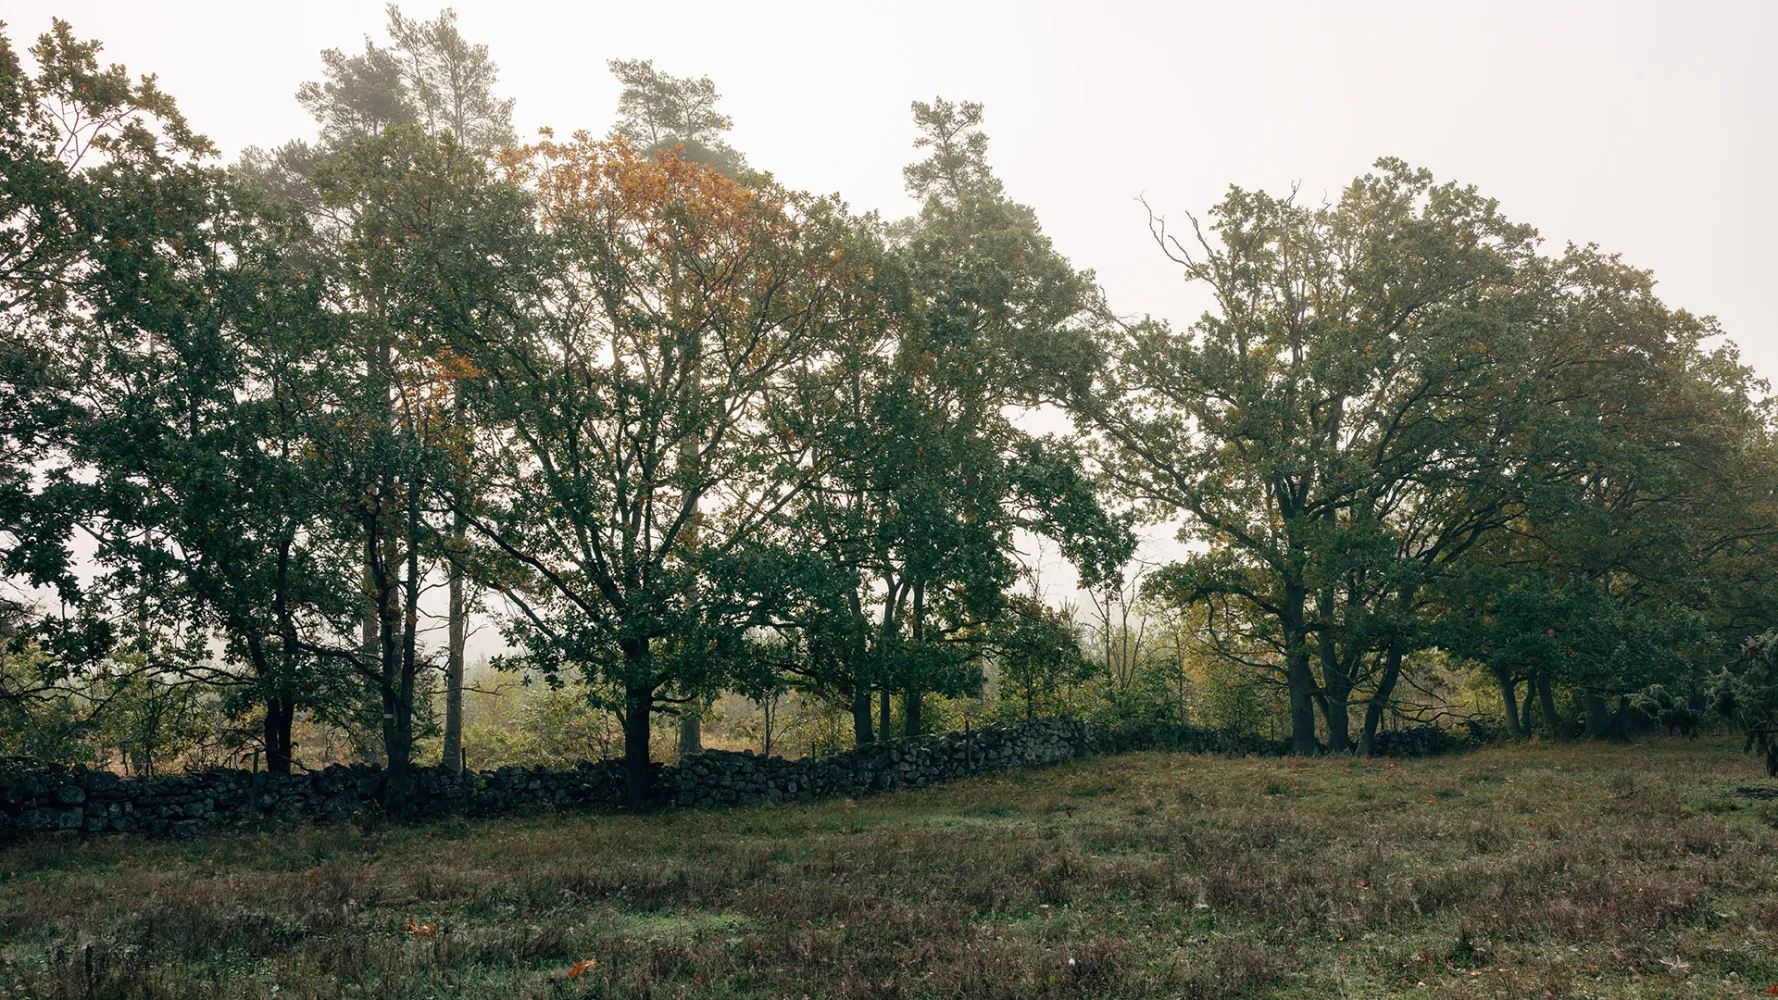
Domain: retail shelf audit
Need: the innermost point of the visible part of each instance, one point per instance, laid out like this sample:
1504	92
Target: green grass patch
1528	871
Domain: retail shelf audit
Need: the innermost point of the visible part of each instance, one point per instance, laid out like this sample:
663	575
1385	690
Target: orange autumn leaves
671	201
678	243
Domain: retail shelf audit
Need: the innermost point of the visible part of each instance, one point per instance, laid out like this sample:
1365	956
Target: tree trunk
861	727
883	712
1622	718
911	697
861	659
638	716
1298	674
1510	698
453	710
691	733
280	713
1546	701
1379	703
280	701
388	654
371	637
1337	709
1598	715
1530	712
1335	679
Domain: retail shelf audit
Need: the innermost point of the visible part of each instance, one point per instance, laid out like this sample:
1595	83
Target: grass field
1574	871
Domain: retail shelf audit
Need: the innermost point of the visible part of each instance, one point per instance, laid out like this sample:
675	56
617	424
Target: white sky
1636	125
1639	126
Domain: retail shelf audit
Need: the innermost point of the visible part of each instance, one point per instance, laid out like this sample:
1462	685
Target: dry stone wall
39	799
36	799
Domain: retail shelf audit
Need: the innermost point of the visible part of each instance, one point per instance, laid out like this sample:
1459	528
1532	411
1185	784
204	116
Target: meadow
1583	870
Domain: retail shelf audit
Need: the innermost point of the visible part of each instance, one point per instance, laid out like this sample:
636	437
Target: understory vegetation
1590	870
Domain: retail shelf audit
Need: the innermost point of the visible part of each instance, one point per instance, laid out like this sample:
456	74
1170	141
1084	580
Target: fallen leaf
581	967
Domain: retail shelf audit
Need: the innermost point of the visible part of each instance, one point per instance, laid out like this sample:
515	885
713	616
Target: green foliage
1674	713
1746	692
552	726
37	722
696	435
658	111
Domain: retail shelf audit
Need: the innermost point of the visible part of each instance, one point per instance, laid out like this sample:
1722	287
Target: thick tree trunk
1379	702
1335	679
1603	722
910	710
1299	677
691	733
1546	702
861	723
1510	698
1622	718
883	712
1337	708
1530	713
280	714
638	717
280	703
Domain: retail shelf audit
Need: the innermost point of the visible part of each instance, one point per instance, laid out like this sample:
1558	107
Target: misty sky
1638	126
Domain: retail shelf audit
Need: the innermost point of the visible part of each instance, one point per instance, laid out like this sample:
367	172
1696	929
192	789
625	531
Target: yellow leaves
665	198
418	929
454	367
582	967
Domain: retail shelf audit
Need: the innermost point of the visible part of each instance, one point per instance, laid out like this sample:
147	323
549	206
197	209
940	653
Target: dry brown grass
1583	871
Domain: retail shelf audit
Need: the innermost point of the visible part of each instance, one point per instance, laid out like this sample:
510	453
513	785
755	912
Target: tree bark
1546	701
691	733
1299	677
1510	698
1604	723
638	717
883	711
1379	703
280	714
1335	679
401	751
911	696
457	635
861	722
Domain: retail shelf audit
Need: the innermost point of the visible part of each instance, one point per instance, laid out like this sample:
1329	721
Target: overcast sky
1638	126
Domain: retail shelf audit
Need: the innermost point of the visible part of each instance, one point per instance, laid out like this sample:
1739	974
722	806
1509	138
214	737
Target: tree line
681	430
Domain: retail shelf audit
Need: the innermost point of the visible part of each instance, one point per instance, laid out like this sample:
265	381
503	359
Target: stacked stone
43	799
716	778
